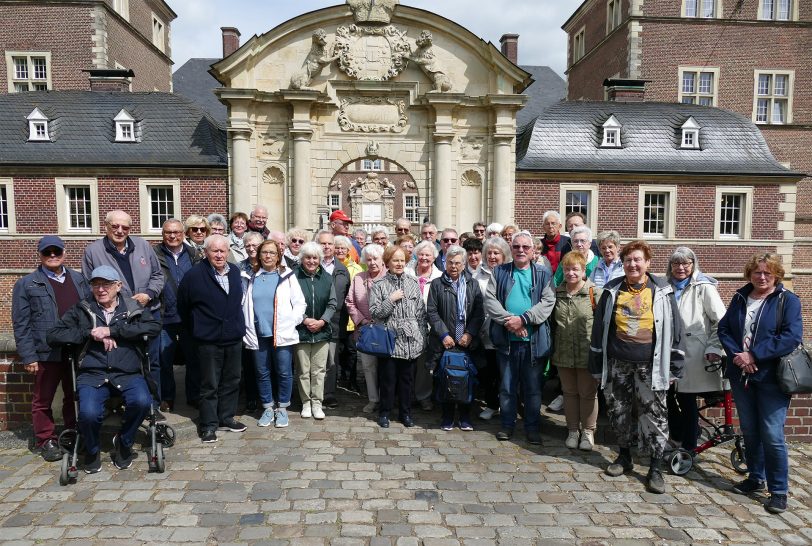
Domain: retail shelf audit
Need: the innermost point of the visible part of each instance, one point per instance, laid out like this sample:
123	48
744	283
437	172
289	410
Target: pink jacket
358	298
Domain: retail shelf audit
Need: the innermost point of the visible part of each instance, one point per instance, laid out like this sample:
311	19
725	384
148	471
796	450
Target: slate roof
170	130
193	81
567	137
547	89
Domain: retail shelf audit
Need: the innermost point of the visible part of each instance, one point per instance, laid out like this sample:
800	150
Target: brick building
47	44
69	157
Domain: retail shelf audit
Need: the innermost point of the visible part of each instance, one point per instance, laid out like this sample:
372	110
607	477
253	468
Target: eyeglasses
449	240
102	285
122	227
297	241
218	230
51	251
269	253
479	230
580	242
765	274
402	230
198	229
522	247
173	233
682	265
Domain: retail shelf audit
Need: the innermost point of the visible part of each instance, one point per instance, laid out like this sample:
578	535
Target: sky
196	31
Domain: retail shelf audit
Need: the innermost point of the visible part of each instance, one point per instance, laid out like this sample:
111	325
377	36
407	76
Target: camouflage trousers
628	388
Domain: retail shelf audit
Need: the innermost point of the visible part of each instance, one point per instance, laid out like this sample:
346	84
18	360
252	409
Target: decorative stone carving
335	184
274	145
409	184
372	115
372	149
372	199
425	58
472	148
471	178
372	11
315	61
372	188
371	53
273	175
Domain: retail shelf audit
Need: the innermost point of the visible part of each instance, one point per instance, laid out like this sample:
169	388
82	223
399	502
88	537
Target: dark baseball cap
49	241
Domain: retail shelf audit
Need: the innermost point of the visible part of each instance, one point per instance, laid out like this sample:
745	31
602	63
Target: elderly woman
575	301
762	324
610	266
636	351
238	224
407	243
494	230
197	229
508	231
314	331
273	306
217	223
455	313
380	237
347	355
342	253
360	237
358	307
581	240
294	238
251	242
701	309
396	301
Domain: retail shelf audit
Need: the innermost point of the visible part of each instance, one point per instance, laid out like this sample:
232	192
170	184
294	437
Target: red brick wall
152	69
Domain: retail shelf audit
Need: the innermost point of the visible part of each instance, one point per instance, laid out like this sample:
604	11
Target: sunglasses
522	247
449	240
116	227
51	251
198	229
297	241
479	231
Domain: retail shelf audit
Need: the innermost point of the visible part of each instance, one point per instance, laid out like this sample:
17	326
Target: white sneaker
487	414
557	404
306	412
572	439
318	413
587	440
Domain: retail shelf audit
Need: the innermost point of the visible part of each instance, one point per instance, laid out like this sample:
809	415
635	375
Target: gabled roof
567	136
193	81
547	89
174	132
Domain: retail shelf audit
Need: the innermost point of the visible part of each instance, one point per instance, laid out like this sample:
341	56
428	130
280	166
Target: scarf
679	286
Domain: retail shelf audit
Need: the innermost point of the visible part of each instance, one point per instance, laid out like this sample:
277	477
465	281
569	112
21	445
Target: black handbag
794	371
376	340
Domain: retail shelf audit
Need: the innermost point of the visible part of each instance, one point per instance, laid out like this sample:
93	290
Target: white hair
494	228
581	229
371	251
551	213
425	244
211	239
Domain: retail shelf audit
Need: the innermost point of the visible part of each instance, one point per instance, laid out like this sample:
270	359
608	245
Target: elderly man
478	230
175	260
338	324
210	303
402	227
340	224
38	300
108	330
428	232
138	268
553	243
519	299
258	219
447	238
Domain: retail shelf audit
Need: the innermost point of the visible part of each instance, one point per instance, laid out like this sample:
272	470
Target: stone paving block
704	534
192	534
353	530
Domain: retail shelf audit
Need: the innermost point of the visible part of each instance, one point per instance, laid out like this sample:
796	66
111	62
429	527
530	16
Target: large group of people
281	314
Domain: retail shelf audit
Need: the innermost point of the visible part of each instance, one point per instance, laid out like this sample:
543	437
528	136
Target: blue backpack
455	378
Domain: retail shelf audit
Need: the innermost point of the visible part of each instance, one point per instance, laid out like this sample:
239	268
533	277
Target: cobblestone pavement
345	481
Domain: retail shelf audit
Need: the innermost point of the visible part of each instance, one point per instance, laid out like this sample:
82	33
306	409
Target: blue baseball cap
105	272
49	241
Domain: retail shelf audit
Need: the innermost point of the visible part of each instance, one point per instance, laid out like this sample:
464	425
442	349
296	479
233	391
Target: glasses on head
122	227
449	239
297	241
522	247
198	229
269	253
51	251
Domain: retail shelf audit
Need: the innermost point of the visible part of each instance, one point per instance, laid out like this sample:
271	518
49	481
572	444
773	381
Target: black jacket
209	314
441	311
341	282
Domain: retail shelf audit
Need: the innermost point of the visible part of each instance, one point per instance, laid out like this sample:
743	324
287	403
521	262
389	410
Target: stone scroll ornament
389	115
371	53
315	61
425	58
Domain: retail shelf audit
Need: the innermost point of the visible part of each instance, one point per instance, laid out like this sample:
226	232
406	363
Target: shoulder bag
794	371
376	340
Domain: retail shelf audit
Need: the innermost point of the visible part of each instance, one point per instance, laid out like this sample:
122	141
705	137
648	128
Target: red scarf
550	251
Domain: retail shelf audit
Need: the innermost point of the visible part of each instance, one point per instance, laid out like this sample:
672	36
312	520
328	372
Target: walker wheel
681	462
165	435
160	462
64	468
737	459
67	440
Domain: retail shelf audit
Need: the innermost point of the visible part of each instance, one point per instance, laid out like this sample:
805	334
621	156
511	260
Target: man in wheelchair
109	332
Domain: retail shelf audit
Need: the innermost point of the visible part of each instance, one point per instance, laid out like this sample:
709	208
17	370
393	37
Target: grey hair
215	218
609	235
171	221
500	245
422	245
341	240
108	217
551	213
359	230
379	230
449	230
495	227
456	250
211	239
682	254
259	208
581	229
249	235
523	233
321	232
371	251
311	249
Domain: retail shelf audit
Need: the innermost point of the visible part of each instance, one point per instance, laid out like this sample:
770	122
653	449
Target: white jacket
289	309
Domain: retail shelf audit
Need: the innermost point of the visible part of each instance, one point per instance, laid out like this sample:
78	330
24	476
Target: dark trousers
331	375
91	411
192	364
395	373
249	376
154	345
49	376
169	344
219	383
347	360
464	411
683	417
489	379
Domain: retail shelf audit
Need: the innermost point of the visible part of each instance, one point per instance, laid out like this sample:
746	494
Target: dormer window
125	127
611	133
690	134
38	126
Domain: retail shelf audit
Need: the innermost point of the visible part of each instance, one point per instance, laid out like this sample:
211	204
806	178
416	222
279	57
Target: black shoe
330	403
622	464
776	504
232	425
208	436
383	421
407	421
251	406
534	437
504	434
655	483
93	463
122	455
748	486
50	450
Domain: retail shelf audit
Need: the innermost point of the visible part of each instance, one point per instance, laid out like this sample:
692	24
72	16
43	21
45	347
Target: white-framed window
778	10
158	33
733	217
8	222
28	71
122	7
334	201
77	205
125	127
578	47
159	201
611	133
704	9
411	207
657	212
613	14
698	85
690	134
38	126
772	96
372	165
581	198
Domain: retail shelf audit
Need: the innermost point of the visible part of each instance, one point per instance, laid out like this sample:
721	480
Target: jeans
137	400
270	361
519	365
762	409
169	344
49	376
219	383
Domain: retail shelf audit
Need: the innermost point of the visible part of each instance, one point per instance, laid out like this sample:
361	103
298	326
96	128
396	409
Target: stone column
442	185
503	187
302	186
241	190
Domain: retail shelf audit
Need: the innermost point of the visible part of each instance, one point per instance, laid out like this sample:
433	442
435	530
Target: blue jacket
767	345
210	315
173	274
34	312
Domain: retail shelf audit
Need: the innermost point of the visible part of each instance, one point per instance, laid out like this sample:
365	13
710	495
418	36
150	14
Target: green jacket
320	296
572	325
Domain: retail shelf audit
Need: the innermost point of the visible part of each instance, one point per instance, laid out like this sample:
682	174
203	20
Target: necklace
636	291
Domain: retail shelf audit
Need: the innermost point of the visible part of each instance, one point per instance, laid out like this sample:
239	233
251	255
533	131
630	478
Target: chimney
510	47
231	40
117	80
625	90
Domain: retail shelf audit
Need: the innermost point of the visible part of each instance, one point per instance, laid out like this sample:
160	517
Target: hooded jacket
289	310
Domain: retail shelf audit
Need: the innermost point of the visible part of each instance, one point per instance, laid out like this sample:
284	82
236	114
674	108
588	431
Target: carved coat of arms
371	53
